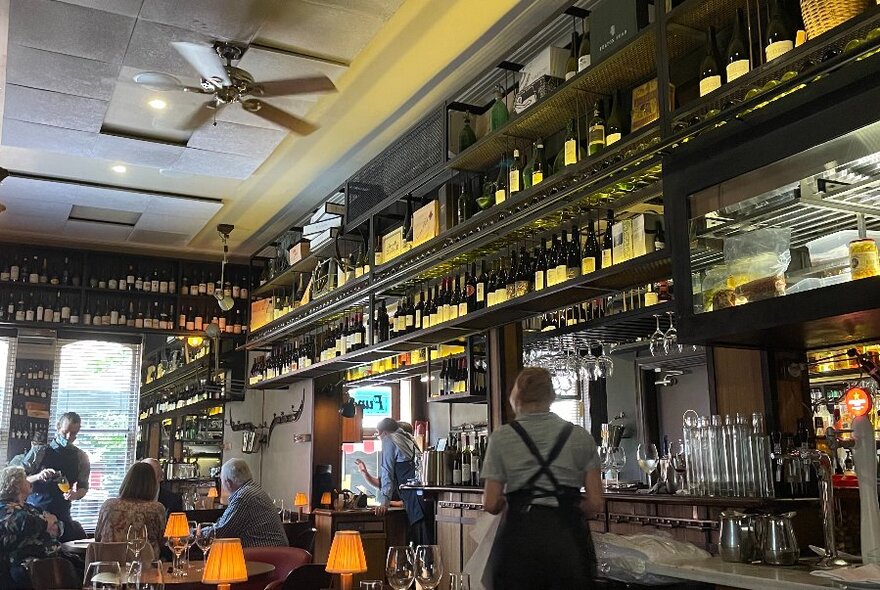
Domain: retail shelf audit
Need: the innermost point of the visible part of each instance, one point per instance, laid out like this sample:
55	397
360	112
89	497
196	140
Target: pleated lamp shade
212	492
300	499
326	499
177	526
346	554
225	563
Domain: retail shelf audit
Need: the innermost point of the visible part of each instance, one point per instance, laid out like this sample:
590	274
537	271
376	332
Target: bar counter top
725	502
444	488
743	575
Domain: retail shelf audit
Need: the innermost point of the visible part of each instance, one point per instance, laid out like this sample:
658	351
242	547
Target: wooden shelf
190	410
285	279
620	327
41	286
458	398
179	374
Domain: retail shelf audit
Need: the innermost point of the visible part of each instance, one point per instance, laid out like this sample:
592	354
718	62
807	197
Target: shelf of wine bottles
30	403
190	397
462	380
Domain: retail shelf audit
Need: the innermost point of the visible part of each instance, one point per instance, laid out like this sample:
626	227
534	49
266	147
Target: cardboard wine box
426	222
261	312
646	104
297	251
613	23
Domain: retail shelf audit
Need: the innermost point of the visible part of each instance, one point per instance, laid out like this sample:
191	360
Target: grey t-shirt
509	461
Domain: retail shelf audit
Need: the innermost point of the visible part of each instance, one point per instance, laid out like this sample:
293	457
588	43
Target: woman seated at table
25	531
136	505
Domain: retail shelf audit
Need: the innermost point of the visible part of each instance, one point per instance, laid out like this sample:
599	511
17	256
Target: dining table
191	578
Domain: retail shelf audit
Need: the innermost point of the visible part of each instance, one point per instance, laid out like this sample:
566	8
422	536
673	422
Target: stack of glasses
727	457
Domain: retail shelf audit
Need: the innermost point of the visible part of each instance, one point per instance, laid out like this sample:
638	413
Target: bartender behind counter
398	466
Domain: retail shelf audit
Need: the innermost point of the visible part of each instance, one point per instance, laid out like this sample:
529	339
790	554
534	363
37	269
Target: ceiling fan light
158	104
157	81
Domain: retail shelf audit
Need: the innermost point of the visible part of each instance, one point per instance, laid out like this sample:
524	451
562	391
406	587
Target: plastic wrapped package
625	557
757	261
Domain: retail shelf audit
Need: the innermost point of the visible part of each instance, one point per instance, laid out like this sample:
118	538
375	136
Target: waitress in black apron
399	466
534	470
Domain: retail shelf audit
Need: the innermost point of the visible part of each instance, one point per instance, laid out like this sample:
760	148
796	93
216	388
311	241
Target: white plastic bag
483	533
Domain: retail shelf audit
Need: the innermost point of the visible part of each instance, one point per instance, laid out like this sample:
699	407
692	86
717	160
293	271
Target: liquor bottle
737	57
501	183
456	469
513	176
571	152
550	275
463	297
779	38
463	208
615	127
584	49
710	67
560	272
407	220
510	283
499	115
524	274
540	267
454	300
44	272
419	311
608	241
596	133
480	287
659	237
529	168
573	255
466	137
571	64
466	460
591	259
34	274
14	272
538	163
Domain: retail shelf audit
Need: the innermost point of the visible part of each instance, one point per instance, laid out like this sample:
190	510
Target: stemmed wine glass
647	458
605	365
459	581
670	338
400	567
205	537
605	462
616	462
679	464
136	537
103	575
429	566
658	338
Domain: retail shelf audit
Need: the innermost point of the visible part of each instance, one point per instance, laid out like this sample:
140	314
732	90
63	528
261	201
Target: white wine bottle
779	38
710	67
737	57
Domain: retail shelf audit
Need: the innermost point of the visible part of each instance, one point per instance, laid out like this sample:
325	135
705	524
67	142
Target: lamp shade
326	499
300	499
225	563
212	492
177	526
346	554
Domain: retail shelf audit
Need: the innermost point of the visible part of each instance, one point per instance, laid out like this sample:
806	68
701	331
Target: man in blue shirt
399	466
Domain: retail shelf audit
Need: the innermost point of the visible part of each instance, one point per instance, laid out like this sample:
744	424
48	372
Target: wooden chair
53	573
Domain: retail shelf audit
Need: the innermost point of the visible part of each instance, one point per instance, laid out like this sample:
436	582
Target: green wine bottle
596	131
500	114
614	130
466	137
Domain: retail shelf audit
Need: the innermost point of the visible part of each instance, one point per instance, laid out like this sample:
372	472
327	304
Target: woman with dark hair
135	505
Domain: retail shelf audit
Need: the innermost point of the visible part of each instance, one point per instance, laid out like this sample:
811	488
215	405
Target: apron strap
544	464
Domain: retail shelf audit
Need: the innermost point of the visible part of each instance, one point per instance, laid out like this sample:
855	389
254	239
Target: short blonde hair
11	479
535	386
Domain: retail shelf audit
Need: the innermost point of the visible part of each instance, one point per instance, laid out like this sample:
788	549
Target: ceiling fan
227	84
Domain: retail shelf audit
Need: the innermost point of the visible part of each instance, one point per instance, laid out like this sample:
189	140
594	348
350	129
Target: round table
76	547
193	575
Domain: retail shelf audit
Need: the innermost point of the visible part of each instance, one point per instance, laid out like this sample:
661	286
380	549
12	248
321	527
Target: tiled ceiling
69	91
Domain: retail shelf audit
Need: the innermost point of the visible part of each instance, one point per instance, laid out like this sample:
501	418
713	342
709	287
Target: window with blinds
7	359
572	400
99	381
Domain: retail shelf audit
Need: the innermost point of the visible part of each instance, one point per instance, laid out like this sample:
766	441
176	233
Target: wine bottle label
607	259
462	309
571	272
613	138
539	280
800	38
490	299
409	321
500	196
583	62
48	314
651	298
778	49
513	181
559	273
521	288
709	84
537	177
588	265
481	292
163	287
737	69
56	316
29	315
571	152
65	313
14	273
570	74
597	135
551	277
418	322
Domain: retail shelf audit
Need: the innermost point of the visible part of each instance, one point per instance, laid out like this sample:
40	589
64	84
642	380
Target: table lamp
326	499
177	533
211	497
346	557
225	564
299	501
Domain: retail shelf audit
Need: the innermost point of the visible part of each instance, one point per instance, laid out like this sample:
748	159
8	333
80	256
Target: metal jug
779	545
738	541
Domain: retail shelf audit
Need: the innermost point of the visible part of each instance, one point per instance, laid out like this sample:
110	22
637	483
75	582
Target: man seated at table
171	501
250	515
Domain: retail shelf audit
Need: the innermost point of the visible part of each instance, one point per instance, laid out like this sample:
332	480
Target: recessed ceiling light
119	168
158	104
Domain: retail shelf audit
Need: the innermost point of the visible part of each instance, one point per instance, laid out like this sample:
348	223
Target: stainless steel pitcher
779	544
738	542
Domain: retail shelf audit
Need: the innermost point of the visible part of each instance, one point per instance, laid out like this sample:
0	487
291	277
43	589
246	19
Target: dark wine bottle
513	176
737	58
591	259
779	38
597	130
571	64
710	67
608	242
615	128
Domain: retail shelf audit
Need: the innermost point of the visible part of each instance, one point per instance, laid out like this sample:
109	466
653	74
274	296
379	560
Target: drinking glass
400	567
136	538
658	338
605	461
679	464
205	537
372	585
617	460
604	363
177	546
429	566
459	581
647	458
146	576
103	575
670	338
62	483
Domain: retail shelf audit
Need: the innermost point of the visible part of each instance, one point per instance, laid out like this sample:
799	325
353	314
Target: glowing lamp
346	557
326	499
212	493
299	501
225	564
177	526
857	401
195	341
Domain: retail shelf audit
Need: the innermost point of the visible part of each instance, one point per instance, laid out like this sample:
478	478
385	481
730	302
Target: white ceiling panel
231	20
124	7
100	232
44	137
136	151
70	30
294	106
381	8
178	224
205	163
32	223
16	187
232	138
55	109
158	238
25	206
183	207
67	74
150	50
267	64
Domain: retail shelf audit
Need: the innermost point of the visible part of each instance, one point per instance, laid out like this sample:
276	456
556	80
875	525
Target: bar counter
743	575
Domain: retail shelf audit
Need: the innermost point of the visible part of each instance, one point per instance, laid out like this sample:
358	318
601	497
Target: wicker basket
823	15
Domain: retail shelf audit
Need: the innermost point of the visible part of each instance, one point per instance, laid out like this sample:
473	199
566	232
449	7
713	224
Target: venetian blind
7	362
99	380
572	401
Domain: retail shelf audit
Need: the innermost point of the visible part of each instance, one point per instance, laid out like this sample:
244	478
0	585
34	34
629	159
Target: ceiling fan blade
205	61
157	81
275	115
295	86
205	113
